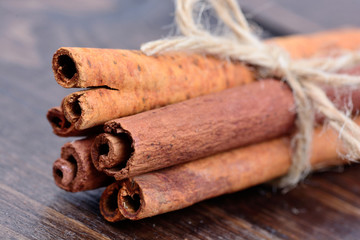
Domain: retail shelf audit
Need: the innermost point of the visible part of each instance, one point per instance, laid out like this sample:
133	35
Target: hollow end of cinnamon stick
109	203
74	171
109	151
130	200
72	108
65	69
60	125
64	172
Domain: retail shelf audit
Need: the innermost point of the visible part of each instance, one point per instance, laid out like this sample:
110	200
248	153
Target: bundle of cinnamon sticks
164	132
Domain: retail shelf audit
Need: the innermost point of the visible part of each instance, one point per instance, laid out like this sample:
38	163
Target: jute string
303	76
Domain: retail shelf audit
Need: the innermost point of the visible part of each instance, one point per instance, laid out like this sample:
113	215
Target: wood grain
325	206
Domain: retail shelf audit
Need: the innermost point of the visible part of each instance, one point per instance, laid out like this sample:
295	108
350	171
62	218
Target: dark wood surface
325	206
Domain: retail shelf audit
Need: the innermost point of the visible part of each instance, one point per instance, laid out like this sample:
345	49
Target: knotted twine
303	76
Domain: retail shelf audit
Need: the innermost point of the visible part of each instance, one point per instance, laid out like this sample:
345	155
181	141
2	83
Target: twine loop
303	76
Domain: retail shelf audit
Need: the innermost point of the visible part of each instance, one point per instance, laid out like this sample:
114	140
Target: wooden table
325	206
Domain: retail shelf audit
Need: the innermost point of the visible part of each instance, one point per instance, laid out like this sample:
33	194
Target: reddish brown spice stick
108	203
63	128
197	128
74	170
148	82
201	127
183	185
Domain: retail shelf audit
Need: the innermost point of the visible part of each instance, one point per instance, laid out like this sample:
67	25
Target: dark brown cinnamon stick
74	171
206	125
113	150
109	203
199	127
183	185
63	128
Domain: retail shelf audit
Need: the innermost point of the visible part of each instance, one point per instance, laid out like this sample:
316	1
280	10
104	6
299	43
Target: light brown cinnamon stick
148	82
89	108
183	185
126	69
63	128
319	44
74	170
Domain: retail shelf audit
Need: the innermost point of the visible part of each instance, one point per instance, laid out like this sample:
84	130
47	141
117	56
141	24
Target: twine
303	76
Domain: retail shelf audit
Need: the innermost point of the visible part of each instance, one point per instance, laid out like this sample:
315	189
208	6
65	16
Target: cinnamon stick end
110	151
109	203
64	172
64	68
72	108
60	125
129	200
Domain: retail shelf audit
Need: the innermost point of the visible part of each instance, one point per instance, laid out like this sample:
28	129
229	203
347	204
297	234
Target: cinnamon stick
126	69
112	150
201	127
186	184
321	43
198	127
63	128
147	82
89	108
108	203
74	170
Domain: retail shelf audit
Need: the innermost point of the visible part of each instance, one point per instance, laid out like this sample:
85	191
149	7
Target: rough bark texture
183	185
93	107
203	126
194	74
209	124
74	170
141	82
133	70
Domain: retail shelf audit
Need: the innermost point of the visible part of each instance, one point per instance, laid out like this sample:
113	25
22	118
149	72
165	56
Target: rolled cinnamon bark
133	70
92	107
109	203
322	43
186	184
63	128
74	170
126	69
204	126
148	82
197	128
111	147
